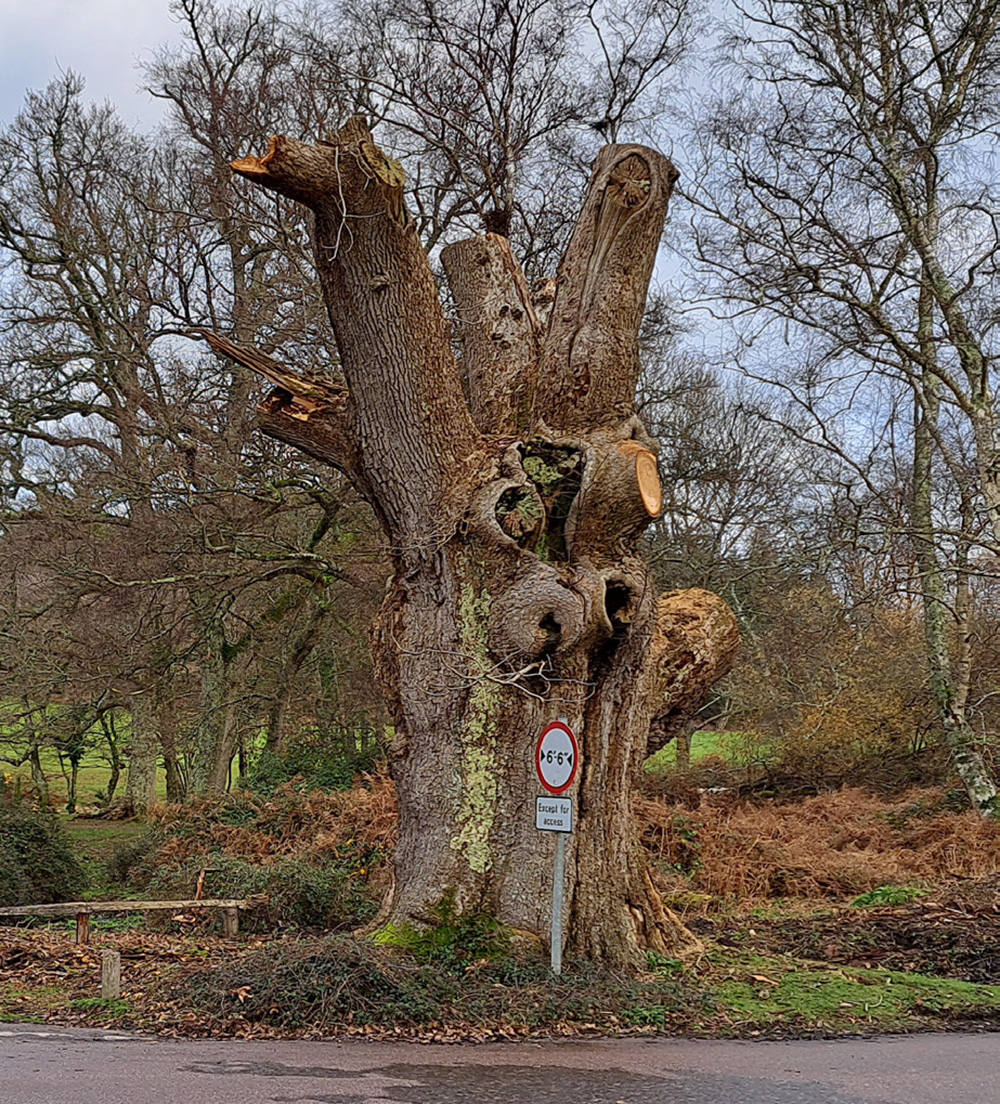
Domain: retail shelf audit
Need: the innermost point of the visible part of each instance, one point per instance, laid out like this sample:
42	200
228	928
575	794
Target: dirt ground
765	973
954	933
766	886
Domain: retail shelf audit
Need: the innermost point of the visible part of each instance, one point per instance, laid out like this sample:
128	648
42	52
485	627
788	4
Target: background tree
143	521
497	107
846	206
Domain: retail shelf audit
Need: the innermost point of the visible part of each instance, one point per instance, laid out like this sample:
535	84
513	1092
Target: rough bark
512	488
409	418
215	738
496	323
590	364
144	746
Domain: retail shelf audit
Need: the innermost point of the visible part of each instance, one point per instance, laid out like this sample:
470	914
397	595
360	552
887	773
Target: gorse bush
36	864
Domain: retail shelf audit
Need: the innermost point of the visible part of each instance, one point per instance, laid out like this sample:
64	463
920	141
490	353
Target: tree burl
513	483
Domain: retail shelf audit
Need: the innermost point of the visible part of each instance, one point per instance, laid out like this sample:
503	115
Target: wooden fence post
111	975
230	922
82	927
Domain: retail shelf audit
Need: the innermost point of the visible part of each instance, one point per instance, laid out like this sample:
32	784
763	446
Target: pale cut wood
111	975
647	475
230	922
616	501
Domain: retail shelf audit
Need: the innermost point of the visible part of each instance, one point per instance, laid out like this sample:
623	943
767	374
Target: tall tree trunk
115	763
949	698
684	750
513	506
176	781
275	730
74	775
38	776
215	739
140	786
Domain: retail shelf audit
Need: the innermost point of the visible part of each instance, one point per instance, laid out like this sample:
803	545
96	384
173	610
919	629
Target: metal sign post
557	759
558	887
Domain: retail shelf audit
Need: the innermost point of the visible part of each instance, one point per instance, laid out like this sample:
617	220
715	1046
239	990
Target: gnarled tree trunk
513	486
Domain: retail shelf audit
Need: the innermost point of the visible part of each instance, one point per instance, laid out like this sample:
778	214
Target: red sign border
576	756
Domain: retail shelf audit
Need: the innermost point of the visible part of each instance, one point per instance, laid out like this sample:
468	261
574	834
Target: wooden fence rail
83	910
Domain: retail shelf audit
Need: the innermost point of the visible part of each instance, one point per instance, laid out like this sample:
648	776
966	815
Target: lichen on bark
477	760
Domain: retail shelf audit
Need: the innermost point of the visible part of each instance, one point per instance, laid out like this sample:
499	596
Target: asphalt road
63	1066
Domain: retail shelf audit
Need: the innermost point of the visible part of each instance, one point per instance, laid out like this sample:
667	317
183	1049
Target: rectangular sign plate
554	814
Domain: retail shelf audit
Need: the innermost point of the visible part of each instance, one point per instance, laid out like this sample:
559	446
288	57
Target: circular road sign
557	757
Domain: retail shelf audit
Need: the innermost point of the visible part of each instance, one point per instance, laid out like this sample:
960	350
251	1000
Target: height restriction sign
557	757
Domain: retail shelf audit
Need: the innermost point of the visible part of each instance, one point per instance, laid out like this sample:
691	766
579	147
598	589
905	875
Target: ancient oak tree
513	482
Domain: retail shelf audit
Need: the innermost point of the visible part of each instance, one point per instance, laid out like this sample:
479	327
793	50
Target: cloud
99	39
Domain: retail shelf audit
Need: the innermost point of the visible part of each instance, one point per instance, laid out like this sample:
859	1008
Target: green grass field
702	744
95	772
737	749
92	779
94	843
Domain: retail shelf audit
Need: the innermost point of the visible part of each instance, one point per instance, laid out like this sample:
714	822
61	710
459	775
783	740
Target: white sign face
553	814
557	757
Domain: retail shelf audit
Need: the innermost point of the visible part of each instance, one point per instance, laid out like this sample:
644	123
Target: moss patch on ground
756	994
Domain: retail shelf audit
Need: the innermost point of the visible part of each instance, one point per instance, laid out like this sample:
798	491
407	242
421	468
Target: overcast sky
99	39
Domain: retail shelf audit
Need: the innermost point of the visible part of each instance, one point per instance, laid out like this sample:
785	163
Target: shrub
322	984
889	895
292	892
837	845
134	860
315	762
317	857
36	864
454	941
